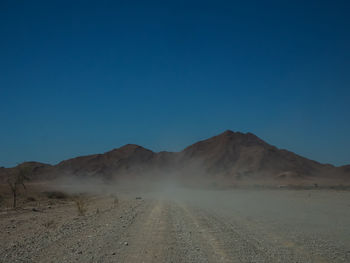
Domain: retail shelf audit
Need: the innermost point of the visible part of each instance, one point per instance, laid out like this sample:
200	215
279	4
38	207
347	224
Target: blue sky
82	77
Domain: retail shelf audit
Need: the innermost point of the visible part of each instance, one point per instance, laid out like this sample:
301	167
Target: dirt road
164	229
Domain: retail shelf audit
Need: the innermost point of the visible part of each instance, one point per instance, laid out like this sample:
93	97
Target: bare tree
17	180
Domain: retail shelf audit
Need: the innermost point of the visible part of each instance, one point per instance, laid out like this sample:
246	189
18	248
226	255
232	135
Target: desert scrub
2	200
115	202
16	180
49	224
81	205
31	199
55	195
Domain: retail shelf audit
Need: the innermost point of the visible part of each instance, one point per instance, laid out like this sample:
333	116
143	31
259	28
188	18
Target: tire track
222	244
247	243
150	239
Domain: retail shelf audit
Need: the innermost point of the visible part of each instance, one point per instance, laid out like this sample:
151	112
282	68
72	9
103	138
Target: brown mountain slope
247	156
36	170
124	160
230	156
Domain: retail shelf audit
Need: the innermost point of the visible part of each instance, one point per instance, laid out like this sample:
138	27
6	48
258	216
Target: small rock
126	244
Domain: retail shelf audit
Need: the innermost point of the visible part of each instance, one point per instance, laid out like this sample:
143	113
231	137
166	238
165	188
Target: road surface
244	226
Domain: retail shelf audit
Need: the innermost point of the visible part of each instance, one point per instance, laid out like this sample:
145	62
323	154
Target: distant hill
37	170
127	159
245	155
228	158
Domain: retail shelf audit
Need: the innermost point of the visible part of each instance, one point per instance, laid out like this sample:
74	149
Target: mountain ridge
232	155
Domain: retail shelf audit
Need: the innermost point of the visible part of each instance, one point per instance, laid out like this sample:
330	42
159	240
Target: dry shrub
115	202
2	200
81	205
55	195
49	224
31	199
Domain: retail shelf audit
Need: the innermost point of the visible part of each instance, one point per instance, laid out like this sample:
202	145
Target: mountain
37	170
128	159
245	155
228	158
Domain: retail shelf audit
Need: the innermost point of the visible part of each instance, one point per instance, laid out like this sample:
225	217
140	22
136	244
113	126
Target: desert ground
178	225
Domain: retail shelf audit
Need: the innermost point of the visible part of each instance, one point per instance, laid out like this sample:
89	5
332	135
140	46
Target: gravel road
188	226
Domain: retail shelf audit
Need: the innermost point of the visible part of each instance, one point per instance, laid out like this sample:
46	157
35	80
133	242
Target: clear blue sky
82	77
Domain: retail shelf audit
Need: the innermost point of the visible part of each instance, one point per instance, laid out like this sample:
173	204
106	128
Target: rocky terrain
181	225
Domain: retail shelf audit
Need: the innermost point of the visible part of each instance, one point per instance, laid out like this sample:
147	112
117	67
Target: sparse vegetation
18	180
55	195
31	199
49	223
115	202
81	205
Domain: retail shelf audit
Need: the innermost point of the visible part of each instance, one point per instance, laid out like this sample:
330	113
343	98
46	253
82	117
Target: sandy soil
184	226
